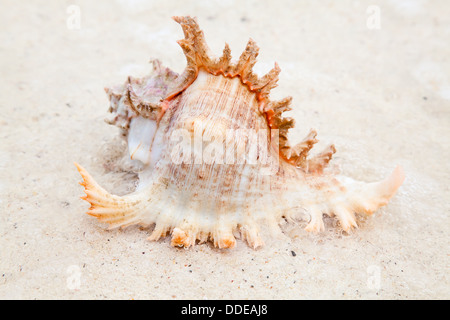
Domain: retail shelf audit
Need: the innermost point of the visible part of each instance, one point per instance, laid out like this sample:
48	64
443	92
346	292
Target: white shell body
217	162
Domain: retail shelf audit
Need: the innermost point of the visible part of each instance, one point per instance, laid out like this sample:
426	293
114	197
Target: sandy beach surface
372	77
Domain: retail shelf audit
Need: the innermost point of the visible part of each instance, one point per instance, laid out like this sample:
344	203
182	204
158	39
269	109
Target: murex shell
217	163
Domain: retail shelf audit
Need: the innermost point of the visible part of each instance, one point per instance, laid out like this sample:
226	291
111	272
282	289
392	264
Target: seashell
217	160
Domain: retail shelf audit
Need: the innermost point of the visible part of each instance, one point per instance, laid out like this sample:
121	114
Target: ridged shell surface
217	161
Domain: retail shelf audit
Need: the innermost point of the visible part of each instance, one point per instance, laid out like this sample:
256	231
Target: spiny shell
217	159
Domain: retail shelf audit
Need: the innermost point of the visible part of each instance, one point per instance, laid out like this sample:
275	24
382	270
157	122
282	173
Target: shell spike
181	238
268	82
377	194
318	163
114	210
346	217
316	222
250	233
247	60
224	61
280	106
300	151
194	44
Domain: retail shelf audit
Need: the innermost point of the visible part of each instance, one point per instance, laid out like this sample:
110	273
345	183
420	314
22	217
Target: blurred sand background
377	86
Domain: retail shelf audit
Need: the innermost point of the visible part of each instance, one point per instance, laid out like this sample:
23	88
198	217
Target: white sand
382	96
